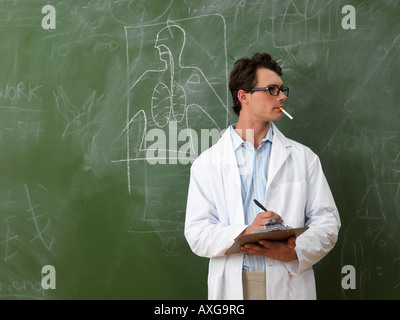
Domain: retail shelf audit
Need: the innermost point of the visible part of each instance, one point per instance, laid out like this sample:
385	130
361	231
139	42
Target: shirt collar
238	141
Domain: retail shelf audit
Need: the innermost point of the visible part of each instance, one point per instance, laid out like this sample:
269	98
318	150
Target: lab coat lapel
281	148
231	180
228	159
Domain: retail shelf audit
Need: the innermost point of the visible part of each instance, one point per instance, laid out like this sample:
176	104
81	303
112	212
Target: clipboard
277	235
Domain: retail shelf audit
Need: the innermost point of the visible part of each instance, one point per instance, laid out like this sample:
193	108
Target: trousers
254	285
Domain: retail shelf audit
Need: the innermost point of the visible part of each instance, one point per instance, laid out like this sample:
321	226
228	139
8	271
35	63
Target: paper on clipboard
267	235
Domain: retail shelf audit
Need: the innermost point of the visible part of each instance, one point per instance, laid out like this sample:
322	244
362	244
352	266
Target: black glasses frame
285	90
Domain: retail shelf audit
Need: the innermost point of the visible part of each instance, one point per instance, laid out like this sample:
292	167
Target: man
254	160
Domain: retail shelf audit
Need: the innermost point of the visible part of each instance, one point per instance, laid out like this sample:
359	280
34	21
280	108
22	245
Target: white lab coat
296	189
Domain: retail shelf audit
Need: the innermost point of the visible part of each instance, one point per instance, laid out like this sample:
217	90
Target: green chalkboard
104	105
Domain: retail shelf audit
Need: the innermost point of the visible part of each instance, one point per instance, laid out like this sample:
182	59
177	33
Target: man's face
261	104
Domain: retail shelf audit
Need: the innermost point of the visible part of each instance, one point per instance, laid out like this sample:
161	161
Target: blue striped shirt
253	167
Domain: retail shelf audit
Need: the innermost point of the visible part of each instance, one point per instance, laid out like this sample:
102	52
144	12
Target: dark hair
244	75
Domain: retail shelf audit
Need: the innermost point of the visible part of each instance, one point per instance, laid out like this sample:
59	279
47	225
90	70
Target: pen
259	205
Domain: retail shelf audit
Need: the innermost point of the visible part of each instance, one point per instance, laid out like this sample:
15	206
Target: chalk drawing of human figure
180	93
171	87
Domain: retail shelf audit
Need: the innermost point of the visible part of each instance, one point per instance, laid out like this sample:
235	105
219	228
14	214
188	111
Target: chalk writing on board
9	237
40	231
372	227
34	219
17	288
27	223
28	232
78	118
301	23
19	116
81	120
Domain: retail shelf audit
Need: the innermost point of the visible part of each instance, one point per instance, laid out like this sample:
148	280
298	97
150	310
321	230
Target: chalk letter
349	281
49	21
49	280
349	21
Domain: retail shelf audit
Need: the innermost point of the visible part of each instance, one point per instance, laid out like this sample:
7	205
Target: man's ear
242	96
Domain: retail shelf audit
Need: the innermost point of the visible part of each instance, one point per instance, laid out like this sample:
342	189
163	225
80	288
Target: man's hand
278	250
260	220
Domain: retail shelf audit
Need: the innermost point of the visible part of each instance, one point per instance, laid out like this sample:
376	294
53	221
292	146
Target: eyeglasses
273	90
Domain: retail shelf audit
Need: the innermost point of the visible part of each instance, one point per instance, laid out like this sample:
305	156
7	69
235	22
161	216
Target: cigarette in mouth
290	117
